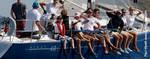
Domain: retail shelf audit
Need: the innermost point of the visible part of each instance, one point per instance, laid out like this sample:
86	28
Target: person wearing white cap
78	35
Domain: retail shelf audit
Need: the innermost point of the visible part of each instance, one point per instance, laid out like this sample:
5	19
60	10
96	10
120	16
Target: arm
110	14
12	13
139	12
74	23
24	12
42	6
105	8
97	26
41	28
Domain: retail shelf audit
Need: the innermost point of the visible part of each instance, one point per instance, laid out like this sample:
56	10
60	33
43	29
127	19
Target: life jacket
9	25
61	30
6	28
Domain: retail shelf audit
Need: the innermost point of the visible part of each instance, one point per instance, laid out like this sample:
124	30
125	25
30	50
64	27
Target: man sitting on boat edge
60	33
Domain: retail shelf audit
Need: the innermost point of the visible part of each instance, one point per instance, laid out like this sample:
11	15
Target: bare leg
120	41
135	41
102	41
116	39
80	38
105	47
65	41
128	42
72	44
125	38
79	48
89	42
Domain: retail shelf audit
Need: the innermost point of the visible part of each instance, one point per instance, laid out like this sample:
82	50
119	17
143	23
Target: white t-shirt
32	16
56	28
79	25
89	23
54	9
130	20
124	20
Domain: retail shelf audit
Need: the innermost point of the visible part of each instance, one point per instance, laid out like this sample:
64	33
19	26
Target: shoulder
35	10
14	4
59	4
23	4
49	4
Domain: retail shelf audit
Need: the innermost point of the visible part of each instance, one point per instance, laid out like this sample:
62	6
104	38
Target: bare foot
81	57
136	49
106	50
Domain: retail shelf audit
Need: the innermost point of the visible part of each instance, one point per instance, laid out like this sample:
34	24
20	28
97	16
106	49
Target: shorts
20	25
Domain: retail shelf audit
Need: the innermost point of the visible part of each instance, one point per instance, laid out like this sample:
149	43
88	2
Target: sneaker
136	49
81	57
121	50
129	49
126	51
118	53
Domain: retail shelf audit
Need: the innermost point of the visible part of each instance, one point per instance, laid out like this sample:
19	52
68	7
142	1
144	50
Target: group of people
86	26
54	21
33	21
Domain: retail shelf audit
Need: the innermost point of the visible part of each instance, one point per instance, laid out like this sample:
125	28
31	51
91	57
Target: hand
79	20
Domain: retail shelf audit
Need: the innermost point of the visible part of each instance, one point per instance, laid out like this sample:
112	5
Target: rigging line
129	3
145	47
124	2
116	3
75	4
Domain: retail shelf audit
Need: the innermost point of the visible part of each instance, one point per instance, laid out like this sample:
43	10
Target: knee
135	34
78	40
125	37
131	36
121	37
117	38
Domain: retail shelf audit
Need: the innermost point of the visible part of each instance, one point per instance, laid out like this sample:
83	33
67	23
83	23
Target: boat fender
10	23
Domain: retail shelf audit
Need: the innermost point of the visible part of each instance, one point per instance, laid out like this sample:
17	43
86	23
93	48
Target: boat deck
47	50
